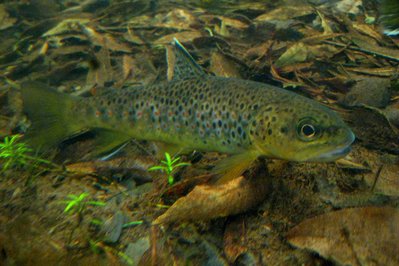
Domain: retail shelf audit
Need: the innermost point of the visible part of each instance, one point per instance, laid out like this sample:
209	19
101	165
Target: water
333	52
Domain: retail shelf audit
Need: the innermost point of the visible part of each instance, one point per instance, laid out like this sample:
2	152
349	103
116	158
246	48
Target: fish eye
307	129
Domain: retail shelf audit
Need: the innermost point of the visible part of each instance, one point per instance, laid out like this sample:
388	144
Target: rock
392	114
113	227
369	91
136	250
142	189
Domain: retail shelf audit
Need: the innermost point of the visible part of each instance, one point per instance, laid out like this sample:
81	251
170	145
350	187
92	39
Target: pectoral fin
234	166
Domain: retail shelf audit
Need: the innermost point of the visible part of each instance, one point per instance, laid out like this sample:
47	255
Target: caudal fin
49	113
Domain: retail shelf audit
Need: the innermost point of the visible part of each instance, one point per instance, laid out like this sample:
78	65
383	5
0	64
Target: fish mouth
337	153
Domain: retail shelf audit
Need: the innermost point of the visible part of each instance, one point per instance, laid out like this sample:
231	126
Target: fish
389	17
194	111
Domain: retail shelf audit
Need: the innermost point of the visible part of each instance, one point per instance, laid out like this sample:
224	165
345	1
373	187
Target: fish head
304	131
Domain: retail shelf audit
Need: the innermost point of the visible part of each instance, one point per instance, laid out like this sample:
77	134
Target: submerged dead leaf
300	52
207	202
6	20
223	67
358	236
286	12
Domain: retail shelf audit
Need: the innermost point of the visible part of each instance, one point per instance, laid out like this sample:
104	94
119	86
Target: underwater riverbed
147	203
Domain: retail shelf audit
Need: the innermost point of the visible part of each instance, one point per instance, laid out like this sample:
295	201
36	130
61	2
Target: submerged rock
369	91
113	227
136	250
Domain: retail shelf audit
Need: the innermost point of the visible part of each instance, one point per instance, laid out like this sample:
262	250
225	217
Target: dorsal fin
181	64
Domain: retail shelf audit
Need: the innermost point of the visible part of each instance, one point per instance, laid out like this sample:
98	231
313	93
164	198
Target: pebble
136	250
373	92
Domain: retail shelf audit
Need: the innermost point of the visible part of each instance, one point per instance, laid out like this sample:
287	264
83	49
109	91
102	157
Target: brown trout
195	111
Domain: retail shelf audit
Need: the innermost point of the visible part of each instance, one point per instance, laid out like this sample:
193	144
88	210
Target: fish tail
50	114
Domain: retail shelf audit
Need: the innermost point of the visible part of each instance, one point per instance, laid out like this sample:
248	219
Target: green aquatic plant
14	153
78	203
168	166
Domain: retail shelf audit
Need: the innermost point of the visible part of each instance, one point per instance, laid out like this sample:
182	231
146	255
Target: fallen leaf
385	181
357	236
286	12
223	67
6	20
207	202
300	52
234	234
184	36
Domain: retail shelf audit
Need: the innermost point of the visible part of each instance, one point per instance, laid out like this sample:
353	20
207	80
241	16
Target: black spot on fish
283	130
269	131
273	119
242	106
268	109
239	130
220	123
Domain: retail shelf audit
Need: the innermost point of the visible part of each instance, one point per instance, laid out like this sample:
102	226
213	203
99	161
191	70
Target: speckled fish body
218	114
195	111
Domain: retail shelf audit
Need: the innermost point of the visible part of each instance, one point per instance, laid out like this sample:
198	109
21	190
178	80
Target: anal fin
106	142
234	166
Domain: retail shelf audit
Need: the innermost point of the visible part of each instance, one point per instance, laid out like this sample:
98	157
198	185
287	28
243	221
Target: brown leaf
6	20
358	236
184	36
223	67
207	202
233	239
300	52
286	12
385	181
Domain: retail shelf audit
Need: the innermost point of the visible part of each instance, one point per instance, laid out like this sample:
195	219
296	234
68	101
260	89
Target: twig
354	48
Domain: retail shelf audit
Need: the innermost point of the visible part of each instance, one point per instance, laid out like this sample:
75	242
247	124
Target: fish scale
216	113
196	111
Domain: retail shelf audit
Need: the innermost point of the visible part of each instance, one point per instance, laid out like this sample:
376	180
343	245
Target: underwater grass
17	154
168	166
